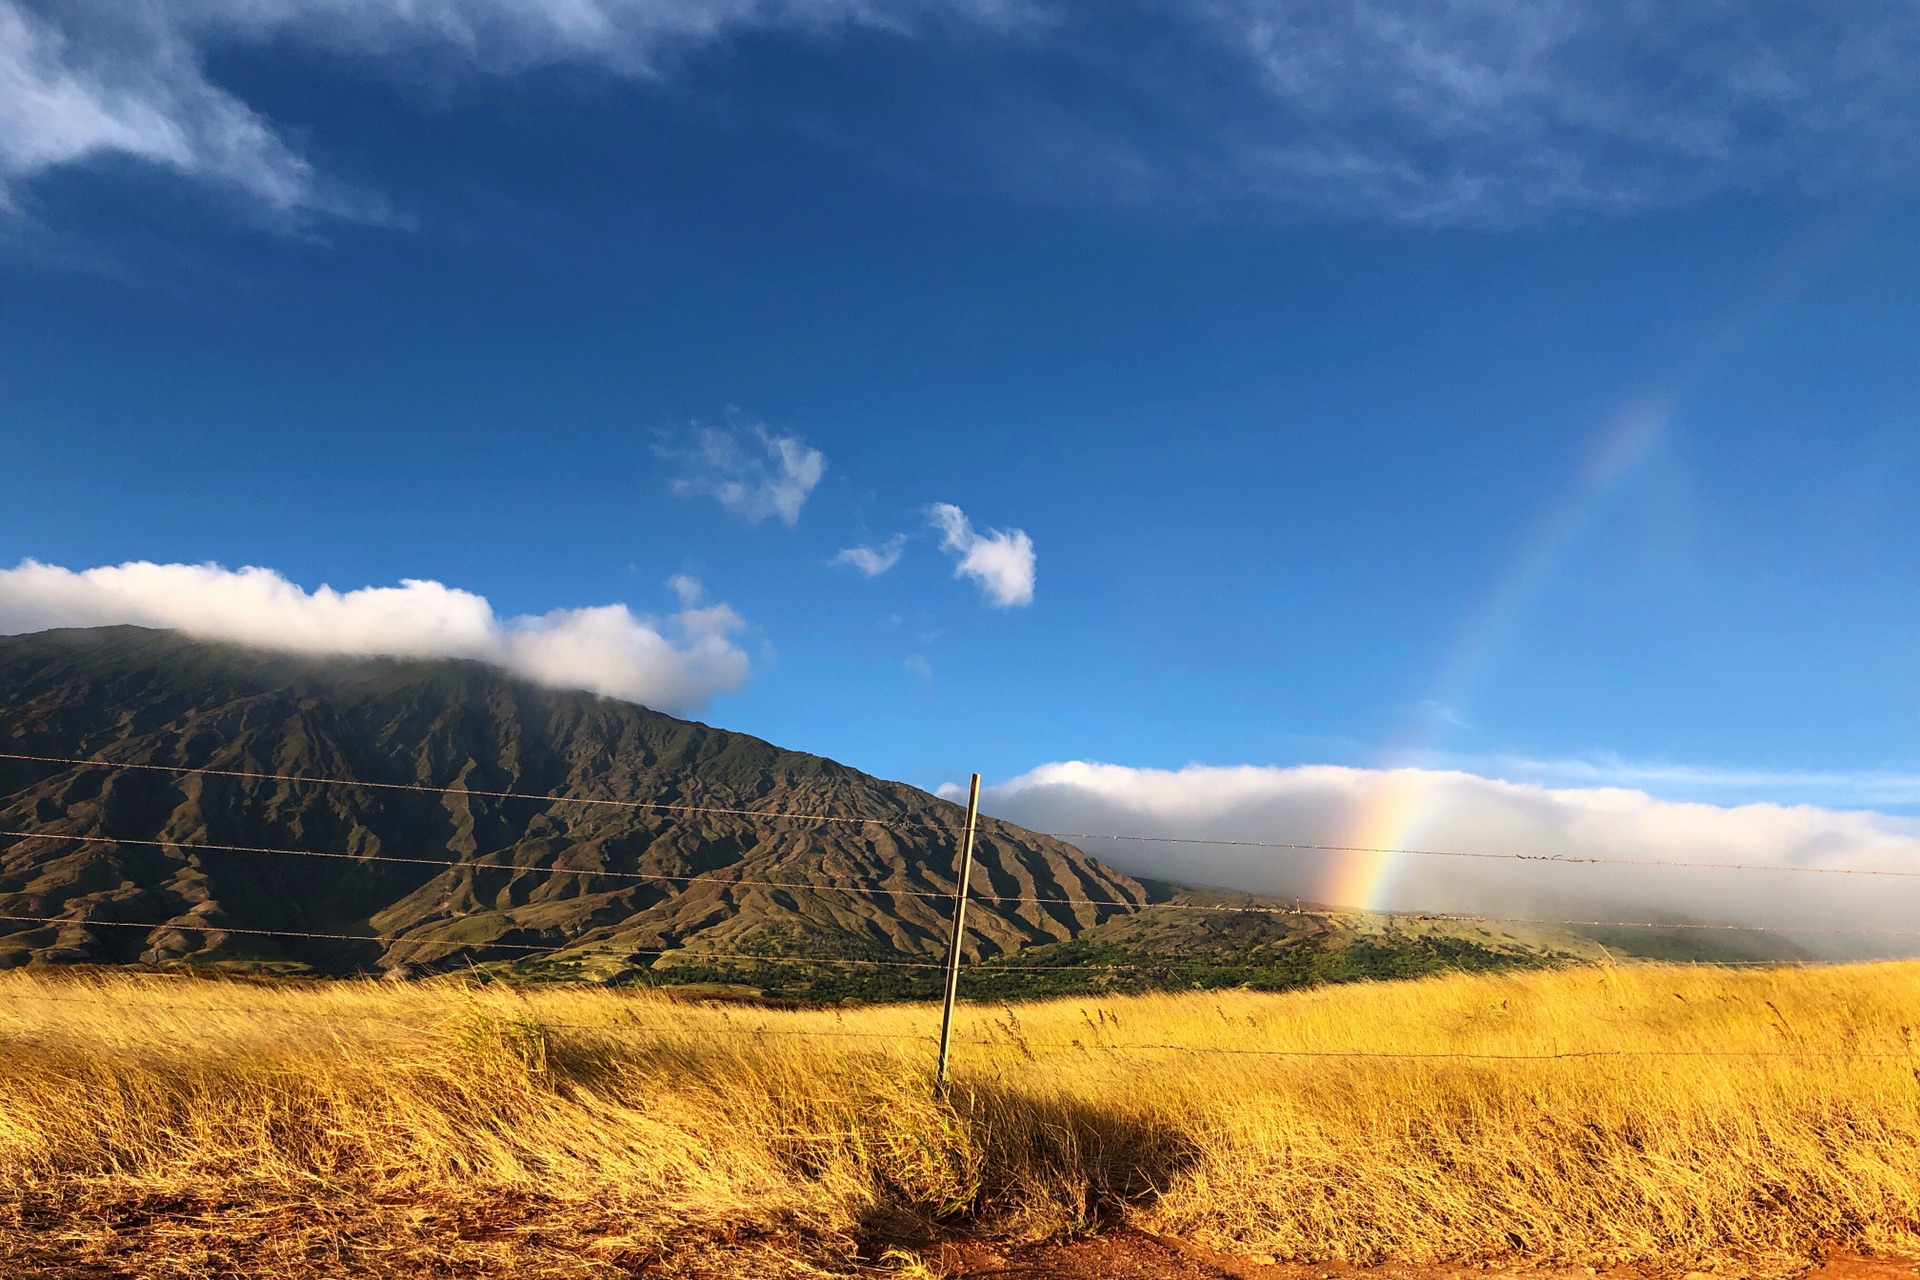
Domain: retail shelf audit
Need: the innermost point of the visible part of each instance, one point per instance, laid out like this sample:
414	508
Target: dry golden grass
199	1127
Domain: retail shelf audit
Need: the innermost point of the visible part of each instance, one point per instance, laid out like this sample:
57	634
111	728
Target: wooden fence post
965	875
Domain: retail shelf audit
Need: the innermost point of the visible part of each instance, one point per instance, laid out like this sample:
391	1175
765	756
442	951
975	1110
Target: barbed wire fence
954	967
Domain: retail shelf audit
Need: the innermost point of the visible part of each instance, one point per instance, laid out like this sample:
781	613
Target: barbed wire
1816	1054
659	953
690	953
1785	962
972	897
695	954
450	864
1468	918
974	973
681	957
1390	917
1564	858
609	873
910	824
1123	904
1027	1044
651	805
313	1015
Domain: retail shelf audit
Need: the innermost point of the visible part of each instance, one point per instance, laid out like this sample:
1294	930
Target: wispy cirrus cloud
1001	561
84	80
751	472
675	663
1486	110
1474	111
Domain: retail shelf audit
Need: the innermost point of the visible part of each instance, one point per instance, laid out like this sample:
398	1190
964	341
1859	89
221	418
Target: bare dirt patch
1137	1255
520	1242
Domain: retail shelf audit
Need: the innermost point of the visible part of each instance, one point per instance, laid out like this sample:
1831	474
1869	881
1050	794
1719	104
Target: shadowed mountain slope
140	697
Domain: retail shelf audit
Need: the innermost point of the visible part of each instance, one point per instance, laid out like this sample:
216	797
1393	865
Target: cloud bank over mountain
1396	109
1517	847
676	663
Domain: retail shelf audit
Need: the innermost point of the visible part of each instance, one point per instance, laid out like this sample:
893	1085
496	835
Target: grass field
186	1127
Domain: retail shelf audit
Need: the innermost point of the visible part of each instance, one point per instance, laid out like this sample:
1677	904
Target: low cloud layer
1001	561
676	663
1457	812
751	472
1473	111
1854	789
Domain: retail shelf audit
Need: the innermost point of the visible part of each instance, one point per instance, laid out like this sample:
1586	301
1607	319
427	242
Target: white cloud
676	663
1000	560
918	664
751	473
875	559
1456	812
1484	110
1477	110
686	589
81	81
1848	789
137	92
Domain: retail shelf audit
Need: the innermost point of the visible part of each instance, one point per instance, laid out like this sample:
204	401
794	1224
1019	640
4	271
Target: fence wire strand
1117	904
632	1024
681	955
455	946
649	805
951	830
665	959
449	864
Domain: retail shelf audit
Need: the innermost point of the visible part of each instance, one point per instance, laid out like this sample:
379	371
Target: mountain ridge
537	868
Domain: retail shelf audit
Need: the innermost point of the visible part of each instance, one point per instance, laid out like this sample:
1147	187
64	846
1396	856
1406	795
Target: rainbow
1390	812
1388	818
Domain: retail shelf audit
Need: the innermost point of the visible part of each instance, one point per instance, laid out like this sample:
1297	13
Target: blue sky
1525	391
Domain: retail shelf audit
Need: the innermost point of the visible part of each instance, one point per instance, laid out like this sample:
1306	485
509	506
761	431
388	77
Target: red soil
1135	1255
